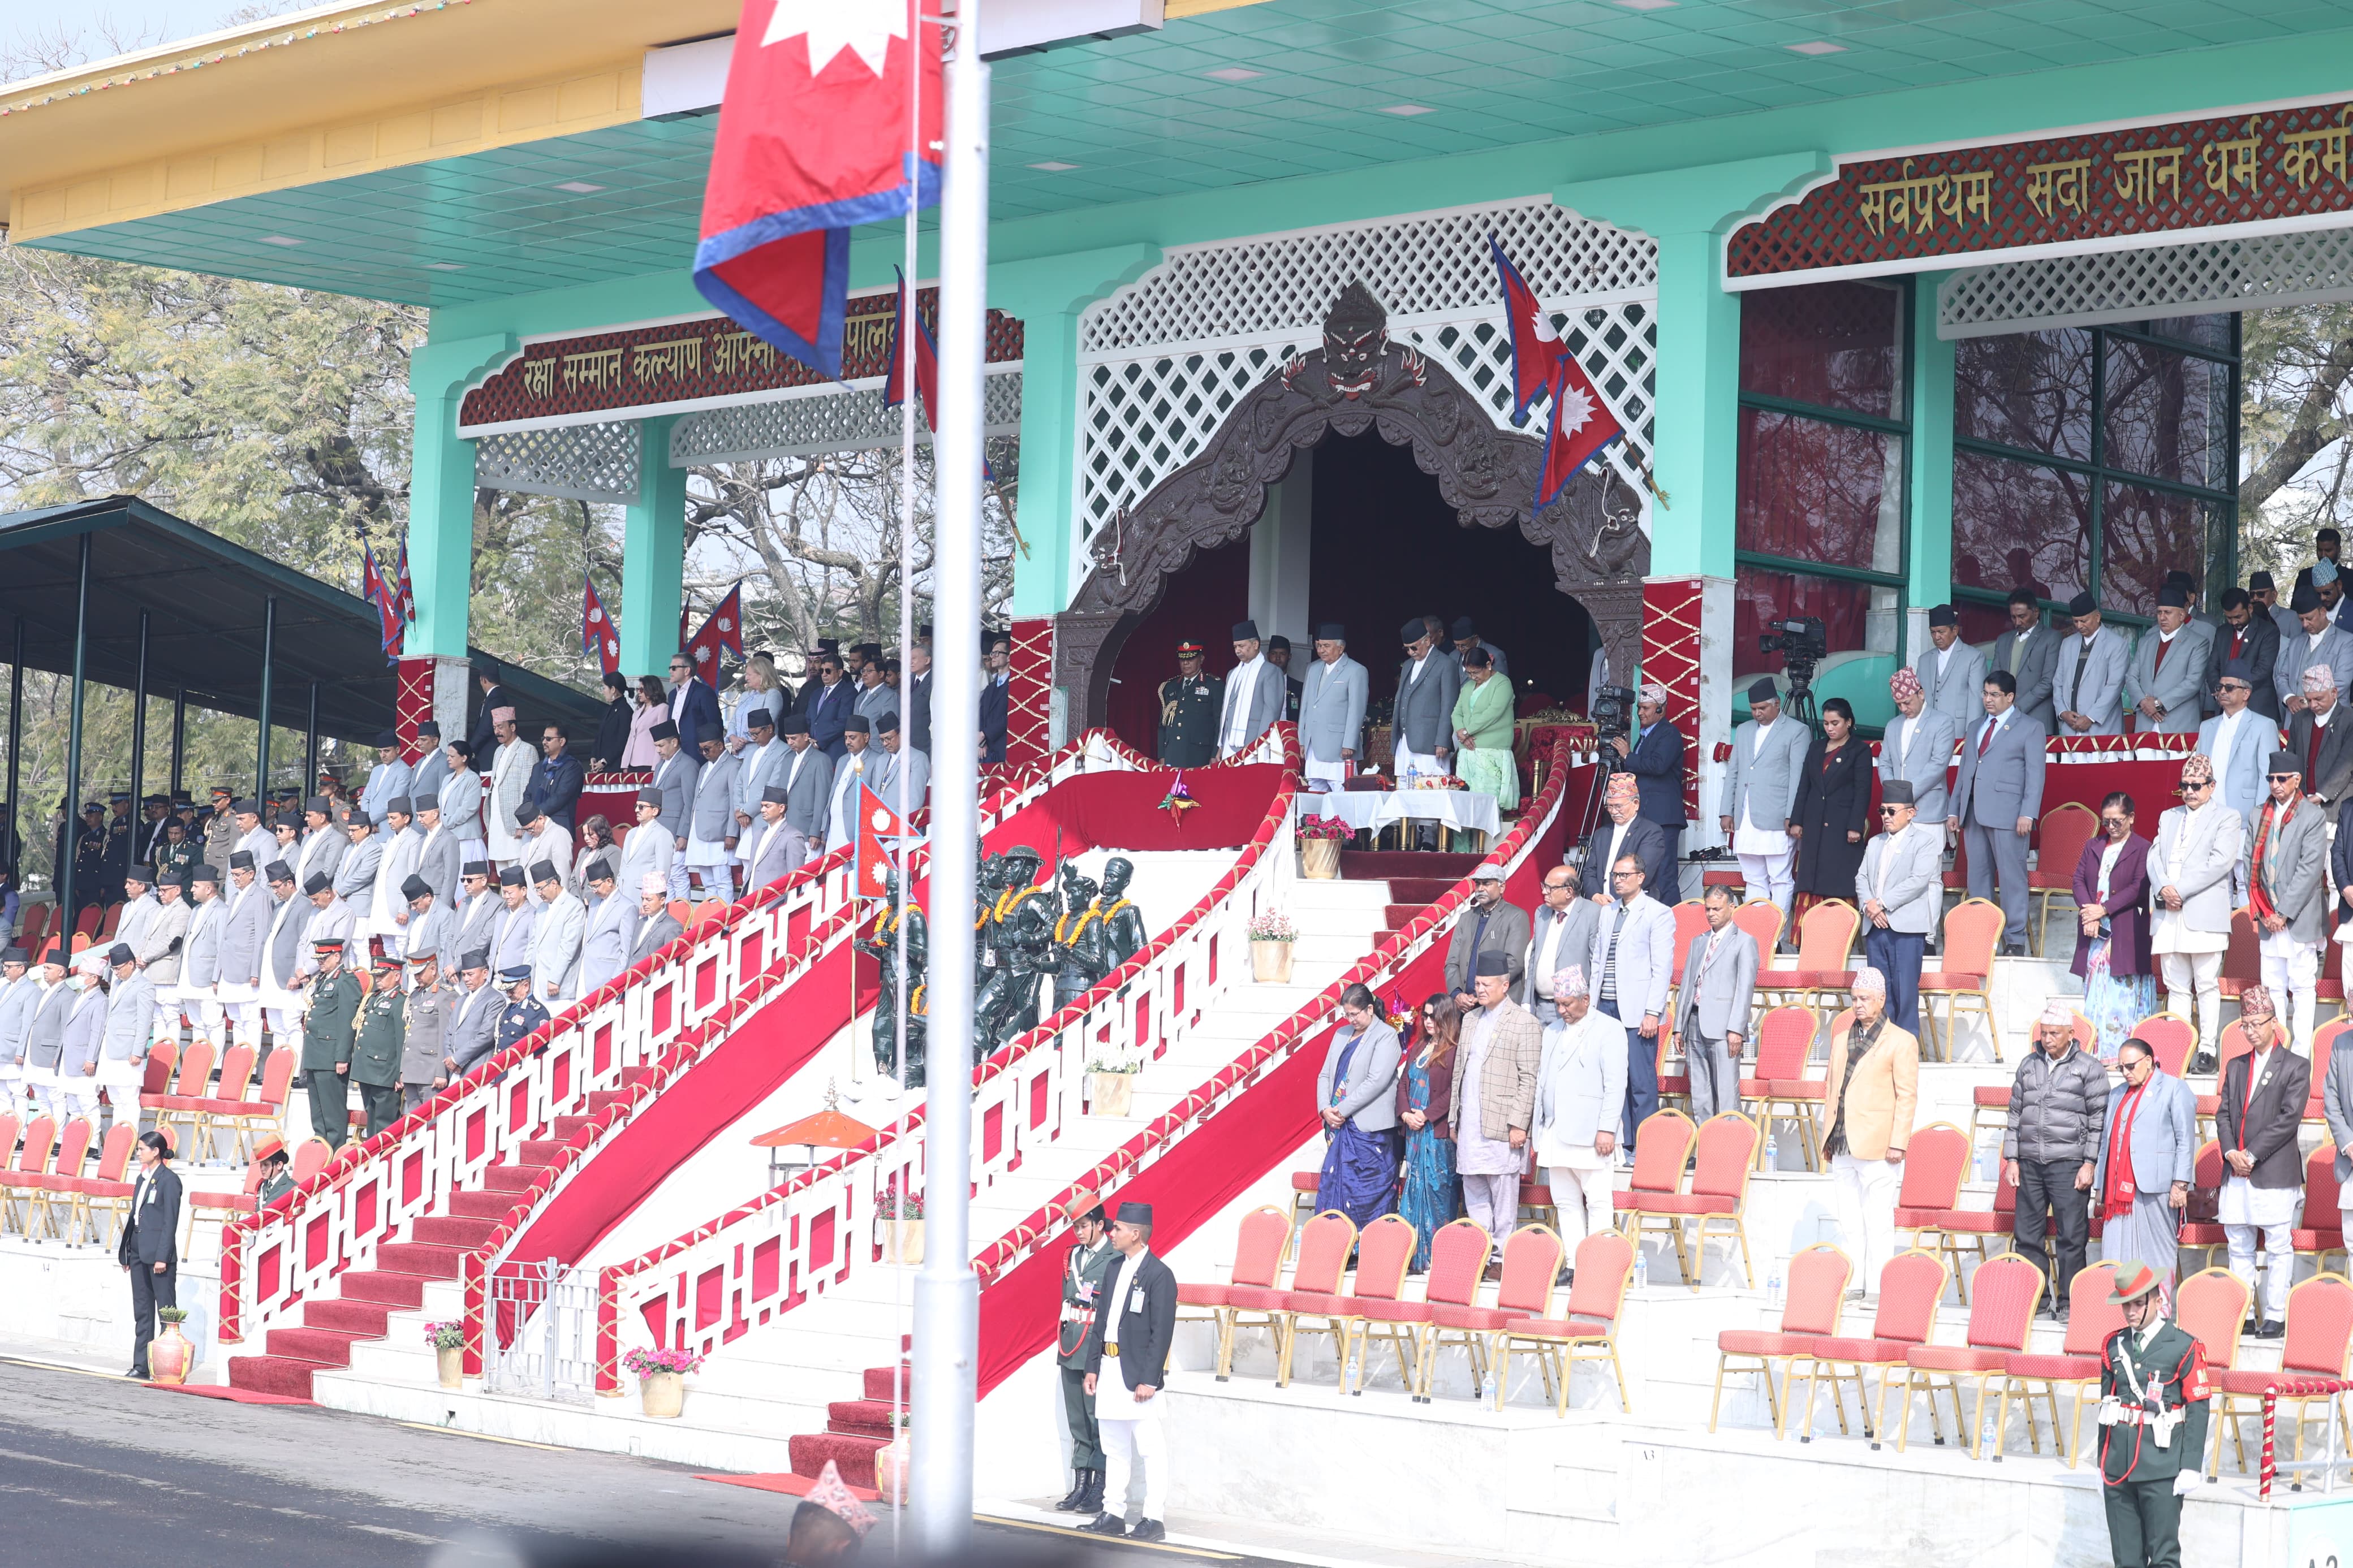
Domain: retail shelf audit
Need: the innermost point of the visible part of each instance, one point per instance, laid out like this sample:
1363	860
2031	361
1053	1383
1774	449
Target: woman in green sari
1482	731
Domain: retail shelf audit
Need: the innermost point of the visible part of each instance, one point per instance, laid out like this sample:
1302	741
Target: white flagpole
947	1293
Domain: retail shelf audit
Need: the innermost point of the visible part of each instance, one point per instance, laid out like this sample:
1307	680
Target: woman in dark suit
2112	920
1832	812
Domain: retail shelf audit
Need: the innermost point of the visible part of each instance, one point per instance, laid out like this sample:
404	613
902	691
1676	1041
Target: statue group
1027	930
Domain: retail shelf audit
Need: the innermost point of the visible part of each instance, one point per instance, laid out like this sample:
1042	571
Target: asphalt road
102	1469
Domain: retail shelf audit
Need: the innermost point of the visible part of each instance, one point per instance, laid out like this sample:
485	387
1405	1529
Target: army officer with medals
1085	1273
2153	1409
1127	1374
1189	702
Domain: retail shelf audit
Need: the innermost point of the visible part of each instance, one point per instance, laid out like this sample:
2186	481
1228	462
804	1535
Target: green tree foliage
2294	407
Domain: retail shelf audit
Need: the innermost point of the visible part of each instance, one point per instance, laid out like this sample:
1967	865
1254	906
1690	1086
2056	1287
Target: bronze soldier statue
1078	940
882	942
1123	923
1024	924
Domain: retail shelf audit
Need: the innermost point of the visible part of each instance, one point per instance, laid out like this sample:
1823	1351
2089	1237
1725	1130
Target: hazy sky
158	21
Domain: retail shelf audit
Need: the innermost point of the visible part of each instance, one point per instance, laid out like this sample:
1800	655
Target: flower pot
1271	963
902	1241
170	1356
1319	858
890	1470
662	1394
453	1362
1111	1093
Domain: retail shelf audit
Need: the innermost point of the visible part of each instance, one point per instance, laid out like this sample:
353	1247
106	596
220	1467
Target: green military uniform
1085	1275
2153	1411
1189	715
327	1024
276	1187
376	1054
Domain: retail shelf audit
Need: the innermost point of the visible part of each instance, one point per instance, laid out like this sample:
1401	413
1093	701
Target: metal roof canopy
204	599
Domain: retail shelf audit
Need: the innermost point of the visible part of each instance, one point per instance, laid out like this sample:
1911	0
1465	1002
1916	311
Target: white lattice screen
2306	268
577	462
1163	360
851	420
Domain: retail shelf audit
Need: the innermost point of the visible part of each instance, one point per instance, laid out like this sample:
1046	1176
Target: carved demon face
1354	334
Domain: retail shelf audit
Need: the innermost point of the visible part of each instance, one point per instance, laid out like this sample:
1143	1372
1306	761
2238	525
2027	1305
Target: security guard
523	1015
120	831
91	884
2153	1409
375	1055
428	1031
270	1155
327	1022
1189	701
1086	1273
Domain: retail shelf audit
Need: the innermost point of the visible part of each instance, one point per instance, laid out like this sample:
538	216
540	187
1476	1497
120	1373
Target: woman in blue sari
1425	1105
1357	1093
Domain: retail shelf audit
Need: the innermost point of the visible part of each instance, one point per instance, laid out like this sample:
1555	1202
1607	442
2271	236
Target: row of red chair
44	1192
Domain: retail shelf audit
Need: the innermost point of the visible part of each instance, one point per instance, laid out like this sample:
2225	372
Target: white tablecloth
1458	808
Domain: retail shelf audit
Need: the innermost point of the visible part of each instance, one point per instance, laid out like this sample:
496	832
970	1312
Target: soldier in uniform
2153	1409
375	1055
120	832
176	851
91	884
1086	1274
523	1015
429	1029
327	1022
1123	923
218	826
270	1155
1189	701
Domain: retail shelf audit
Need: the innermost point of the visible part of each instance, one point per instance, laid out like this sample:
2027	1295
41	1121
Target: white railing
661	1014
550	1313
805	1235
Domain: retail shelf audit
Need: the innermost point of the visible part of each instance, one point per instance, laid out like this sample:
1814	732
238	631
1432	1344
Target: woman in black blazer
1833	807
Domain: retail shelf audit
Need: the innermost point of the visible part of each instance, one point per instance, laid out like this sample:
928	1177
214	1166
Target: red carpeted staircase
436	1247
855	1430
1415	879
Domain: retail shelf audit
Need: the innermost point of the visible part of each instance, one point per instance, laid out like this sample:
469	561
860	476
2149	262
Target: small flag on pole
406	606
598	635
385	596
723	632
879	827
1581	422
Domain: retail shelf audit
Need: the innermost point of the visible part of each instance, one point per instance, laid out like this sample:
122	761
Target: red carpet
1445	871
790	1484
237	1395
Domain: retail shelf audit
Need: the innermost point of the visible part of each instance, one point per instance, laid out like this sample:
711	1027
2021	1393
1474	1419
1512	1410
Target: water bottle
1989	1439
1641	1269
1773	1284
1772	1152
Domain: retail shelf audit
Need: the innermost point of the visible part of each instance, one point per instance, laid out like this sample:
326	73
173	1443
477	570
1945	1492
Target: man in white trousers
1127	1374
1760	788
1874	1089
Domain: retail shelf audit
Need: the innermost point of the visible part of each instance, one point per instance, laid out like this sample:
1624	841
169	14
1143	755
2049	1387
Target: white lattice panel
2307	269
577	462
1423	264
849	420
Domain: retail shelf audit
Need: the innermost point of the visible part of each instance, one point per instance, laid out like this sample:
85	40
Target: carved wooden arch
1358	380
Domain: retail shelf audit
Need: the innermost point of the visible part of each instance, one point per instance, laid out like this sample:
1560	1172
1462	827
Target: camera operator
1655	757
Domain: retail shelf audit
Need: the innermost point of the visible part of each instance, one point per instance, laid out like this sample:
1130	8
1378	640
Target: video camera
1613	711
1803	642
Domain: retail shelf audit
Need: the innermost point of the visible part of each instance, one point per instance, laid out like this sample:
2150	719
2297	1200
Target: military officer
2153	1410
375	1055
120	831
270	1155
1086	1273
523	1015
90	883
327	1021
1189	702
426	1030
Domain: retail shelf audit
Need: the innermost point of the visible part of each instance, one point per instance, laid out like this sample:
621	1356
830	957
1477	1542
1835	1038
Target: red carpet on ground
792	1484
237	1395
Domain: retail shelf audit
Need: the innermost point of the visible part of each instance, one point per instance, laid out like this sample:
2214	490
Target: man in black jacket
1134	1327
2263	1094
150	1248
1655	757
2247	634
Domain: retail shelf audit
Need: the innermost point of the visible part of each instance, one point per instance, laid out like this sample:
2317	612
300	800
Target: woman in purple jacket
2111	941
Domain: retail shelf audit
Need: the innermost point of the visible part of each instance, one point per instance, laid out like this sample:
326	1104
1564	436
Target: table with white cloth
1467	811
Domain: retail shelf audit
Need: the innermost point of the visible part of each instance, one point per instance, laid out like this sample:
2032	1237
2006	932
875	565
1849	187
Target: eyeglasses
1625	876
1889	810
2284	778
2113	820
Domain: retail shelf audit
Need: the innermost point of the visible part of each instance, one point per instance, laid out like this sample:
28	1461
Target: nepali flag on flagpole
879	827
596	634
1581	426
812	141
385	596
404	602
723	632
1536	349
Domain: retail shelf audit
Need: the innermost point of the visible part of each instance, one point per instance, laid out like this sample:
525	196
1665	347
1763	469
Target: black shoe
1093	1501
140	1373
1106	1525
1078	1489
1148	1530
2269	1329
298	1082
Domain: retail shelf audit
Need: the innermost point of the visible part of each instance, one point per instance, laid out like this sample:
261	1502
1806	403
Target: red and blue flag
723	632
812	141
598	635
384	594
1581	422
1536	349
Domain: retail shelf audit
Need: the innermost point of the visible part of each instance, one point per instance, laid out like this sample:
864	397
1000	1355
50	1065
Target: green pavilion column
441	530
653	557
1930	568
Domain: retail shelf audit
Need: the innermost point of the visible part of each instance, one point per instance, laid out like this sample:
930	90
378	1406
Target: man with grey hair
2058	1106
2315	641
1332	709
1874	1087
1580	1098
1631	964
2321	738
1494	1092
1711	1009
1655	757
2287	898
656	927
1760	789
2189	862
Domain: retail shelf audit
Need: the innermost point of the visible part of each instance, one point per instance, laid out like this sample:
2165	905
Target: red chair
1761	919
2319	1232
1972	935
2067	829
2200	1227
1260	1250
2234	1045
2173	1038
1384	1248
1910	1286
1458	1262
2242	963
1933	1163
107	1190
1588	1329
23	1180
2009	1289
161	1058
1719	1189
2318	1343
246	1199
2091	1319
247	1118
1663	1147
56	1186
1690	920
1825	943
191	1082
33	927
1325	1244
1818	1276
1532	1257
2212	1306
2324	1045
1976	1229
236	1077
1780	1090
310	1157
2328	991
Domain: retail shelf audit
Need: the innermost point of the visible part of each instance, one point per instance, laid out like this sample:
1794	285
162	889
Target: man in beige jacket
1874	1085
1501	1047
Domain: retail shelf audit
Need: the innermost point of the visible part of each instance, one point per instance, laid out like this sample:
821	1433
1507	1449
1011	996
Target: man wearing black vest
1134	1326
